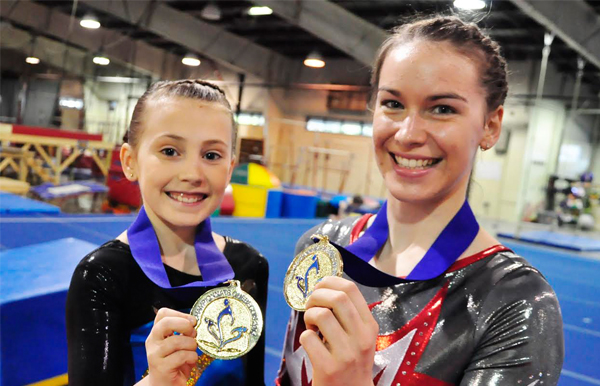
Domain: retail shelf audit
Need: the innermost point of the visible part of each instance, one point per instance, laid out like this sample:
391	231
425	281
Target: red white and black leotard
491	319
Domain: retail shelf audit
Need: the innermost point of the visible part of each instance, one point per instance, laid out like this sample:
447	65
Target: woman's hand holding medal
341	332
344	356
171	357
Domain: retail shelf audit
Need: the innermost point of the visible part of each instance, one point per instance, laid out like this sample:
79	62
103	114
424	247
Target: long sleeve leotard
111	306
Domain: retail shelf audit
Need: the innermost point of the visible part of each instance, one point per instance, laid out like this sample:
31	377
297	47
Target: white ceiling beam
233	51
574	21
50	52
332	23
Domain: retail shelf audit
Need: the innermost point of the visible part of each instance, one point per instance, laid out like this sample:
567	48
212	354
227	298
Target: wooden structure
318	160
29	148
10	185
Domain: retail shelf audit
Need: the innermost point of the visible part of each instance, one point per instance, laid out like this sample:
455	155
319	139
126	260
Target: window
337	126
250	119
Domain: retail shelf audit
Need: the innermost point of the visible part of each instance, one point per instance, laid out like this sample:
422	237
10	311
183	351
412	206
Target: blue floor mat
574	278
555	239
12	204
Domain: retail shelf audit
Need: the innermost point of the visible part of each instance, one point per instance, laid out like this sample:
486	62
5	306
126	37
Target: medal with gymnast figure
229	325
229	321
308	268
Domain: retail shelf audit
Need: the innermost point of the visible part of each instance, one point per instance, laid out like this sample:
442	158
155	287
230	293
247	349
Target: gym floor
574	276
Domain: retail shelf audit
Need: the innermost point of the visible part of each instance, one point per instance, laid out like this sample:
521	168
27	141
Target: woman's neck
413	228
411	223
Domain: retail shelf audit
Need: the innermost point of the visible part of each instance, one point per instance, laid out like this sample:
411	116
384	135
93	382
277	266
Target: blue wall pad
274	204
35	280
299	206
13	204
555	239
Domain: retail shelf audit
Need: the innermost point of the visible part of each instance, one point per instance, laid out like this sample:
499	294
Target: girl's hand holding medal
171	357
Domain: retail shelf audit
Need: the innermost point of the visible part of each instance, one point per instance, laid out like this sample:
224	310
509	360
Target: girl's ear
231	167
493	128
128	162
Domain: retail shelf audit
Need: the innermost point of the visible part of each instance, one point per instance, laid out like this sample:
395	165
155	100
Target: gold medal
229	322
308	268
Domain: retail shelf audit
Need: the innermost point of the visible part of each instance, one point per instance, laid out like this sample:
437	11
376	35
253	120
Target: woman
429	297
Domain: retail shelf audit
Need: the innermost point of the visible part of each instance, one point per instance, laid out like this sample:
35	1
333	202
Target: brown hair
185	88
467	38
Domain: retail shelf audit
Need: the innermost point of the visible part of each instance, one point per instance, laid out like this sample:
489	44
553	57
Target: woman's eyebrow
432	98
447	96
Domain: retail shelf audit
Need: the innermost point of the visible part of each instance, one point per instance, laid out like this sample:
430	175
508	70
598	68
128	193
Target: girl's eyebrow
172	136
432	98
215	142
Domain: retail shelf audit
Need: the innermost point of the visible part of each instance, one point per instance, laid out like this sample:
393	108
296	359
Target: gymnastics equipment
317	160
255	175
251	183
35	280
43	142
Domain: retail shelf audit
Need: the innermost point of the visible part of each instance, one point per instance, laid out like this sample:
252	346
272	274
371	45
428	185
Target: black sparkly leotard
490	320
111	305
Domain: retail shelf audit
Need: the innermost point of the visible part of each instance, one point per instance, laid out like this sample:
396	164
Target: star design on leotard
396	354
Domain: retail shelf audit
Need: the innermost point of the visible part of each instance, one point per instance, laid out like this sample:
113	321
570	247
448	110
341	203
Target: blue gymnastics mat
17	205
555	239
35	280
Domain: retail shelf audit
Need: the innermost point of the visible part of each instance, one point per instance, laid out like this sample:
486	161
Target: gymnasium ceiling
153	35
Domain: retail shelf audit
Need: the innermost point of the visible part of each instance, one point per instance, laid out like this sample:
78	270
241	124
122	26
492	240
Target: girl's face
183	160
430	117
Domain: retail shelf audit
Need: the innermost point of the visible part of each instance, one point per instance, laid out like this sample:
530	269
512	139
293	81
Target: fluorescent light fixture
211	12
101	60
118	79
250	119
191	60
314	60
89	21
469	4
71	103
259	11
32	60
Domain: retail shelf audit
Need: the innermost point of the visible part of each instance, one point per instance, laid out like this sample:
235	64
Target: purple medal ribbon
449	245
213	264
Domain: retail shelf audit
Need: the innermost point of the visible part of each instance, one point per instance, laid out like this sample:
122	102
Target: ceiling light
32	60
469	4
259	11
101	60
191	60
211	12
315	60
90	21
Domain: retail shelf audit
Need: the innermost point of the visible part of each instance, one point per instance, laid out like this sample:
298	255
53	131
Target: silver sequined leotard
491	319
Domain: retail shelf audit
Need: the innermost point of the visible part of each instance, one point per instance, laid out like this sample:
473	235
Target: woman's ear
128	162
492	128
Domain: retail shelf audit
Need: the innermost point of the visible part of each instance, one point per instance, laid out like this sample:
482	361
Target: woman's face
430	116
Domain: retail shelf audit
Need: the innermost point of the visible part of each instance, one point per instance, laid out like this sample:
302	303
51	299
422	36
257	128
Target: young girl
129	297
428	297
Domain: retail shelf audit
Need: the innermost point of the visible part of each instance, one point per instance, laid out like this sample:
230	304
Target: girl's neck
177	247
